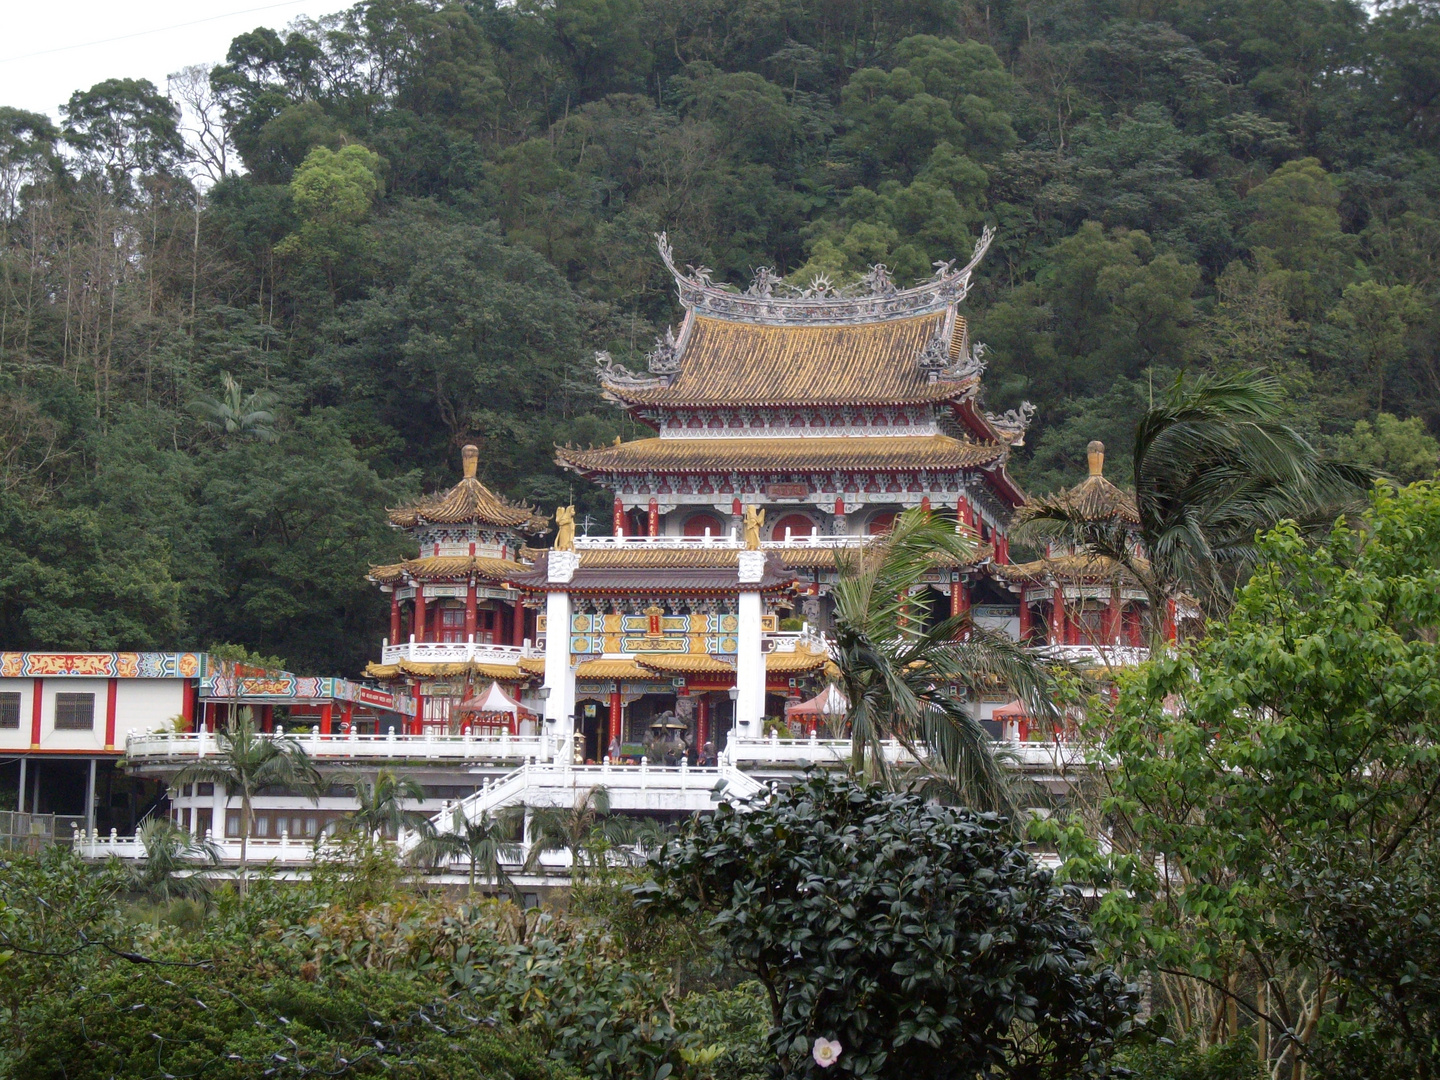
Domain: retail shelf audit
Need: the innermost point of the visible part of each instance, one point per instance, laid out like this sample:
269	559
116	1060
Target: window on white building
10	709
74	712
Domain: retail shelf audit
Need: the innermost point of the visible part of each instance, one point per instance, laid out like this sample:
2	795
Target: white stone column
559	675
749	660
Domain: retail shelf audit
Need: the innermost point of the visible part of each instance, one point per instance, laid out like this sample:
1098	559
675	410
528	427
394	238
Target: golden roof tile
720	455
446	568
728	362
686	664
798	661
1067	568
612	669
469	501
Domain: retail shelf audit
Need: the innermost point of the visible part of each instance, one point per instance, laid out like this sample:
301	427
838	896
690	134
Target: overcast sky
52	48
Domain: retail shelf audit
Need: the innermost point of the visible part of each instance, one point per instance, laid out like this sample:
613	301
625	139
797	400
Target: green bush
1164	1060
733	1026
224	1022
915	934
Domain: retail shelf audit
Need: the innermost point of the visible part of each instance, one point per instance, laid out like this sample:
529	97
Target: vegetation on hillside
419	219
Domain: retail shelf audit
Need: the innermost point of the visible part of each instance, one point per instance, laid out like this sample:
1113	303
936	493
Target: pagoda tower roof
468	502
777	344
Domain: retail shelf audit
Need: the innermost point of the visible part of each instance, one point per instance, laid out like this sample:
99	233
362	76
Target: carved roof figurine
780	344
468	502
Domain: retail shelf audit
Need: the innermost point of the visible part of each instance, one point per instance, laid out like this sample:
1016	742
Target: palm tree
575	828
1214	465
176	864
906	682
485	843
247	761
382	807
238	413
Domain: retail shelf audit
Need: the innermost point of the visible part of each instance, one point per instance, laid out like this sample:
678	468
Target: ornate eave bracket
770	299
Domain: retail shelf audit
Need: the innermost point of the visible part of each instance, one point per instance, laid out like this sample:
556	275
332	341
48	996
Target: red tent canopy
493	702
1014	710
829	702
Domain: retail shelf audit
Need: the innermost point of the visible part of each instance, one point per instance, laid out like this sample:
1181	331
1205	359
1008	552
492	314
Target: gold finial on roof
469	458
1096	453
617	441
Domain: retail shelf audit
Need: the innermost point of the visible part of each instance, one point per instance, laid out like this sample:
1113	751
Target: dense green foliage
445	206
1275	827
917	935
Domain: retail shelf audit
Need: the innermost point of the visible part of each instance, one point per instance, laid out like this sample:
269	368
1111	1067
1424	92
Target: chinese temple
685	650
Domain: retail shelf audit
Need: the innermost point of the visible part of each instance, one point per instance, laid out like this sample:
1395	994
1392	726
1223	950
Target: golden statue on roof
565	528
754	520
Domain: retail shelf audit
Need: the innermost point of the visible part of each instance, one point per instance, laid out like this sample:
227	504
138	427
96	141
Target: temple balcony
457	652
725	542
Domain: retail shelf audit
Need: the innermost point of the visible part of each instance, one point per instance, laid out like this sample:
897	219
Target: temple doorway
592	719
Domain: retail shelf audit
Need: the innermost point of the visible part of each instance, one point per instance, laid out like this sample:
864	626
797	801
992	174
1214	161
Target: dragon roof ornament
1013	423
612	373
771	299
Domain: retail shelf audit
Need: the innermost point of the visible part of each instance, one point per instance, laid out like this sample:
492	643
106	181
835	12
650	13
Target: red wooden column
703	721
1002	548
1057	617
267	718
1024	617
617	717
187	707
619	517
1170	619
470	599
394	616
112	690
1112	618
963	513
417	621
37	692
327	716
347	717
517	631
654	517
418	724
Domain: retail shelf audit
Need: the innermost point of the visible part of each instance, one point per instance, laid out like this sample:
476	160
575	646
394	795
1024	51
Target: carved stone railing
456	652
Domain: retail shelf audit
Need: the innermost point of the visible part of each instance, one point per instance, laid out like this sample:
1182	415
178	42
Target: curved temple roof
468	502
723	455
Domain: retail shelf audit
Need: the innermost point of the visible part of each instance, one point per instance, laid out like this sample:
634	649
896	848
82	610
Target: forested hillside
238	321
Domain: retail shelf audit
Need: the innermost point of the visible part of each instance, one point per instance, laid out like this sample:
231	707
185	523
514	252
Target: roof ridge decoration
771	299
1013	423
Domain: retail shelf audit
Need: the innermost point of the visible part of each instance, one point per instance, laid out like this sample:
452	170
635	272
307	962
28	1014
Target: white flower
826	1052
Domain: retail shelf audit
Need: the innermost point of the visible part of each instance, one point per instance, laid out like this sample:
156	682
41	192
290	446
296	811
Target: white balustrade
160	748
457	652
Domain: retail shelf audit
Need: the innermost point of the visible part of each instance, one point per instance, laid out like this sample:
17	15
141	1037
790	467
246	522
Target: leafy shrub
225	1022
915	934
1164	1060
570	987
734	1022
